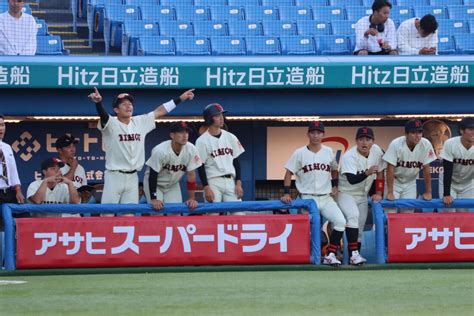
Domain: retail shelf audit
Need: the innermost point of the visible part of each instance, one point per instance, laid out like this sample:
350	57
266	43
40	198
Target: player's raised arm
97	99
167	107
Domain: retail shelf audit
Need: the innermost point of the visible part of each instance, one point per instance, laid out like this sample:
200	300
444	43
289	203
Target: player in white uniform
405	156
360	167
124	142
169	161
53	188
458	165
219	151
315	169
66	147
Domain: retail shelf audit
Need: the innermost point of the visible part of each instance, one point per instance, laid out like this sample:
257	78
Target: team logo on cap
316	124
219	107
417	124
365	130
183	124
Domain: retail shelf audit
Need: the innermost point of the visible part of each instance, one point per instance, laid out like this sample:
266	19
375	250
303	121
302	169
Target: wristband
379	185
153	195
334	182
286	189
192	186
177	101
169	106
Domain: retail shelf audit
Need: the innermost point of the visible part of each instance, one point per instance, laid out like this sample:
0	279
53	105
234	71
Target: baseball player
405	156
124	142
169	161
360	166
66	147
219	150
458	165
315	169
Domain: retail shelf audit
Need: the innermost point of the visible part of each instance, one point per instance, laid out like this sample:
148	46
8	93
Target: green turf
343	292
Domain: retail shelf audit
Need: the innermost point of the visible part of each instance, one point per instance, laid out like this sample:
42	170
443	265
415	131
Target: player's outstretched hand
208	194
188	95
427	196
286	199
390	196
95	96
448	200
157	204
192	204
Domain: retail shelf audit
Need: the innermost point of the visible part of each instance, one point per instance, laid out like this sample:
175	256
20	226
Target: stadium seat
193	13
132	30
226	13
329	13
278	3
412	2
158	13
368	3
42	27
244	3
156	45
227	45
297	45
447	2
401	13
438	11
355	13
176	28
345	3
144	3
260	13
312	3
314	28
452	27
177	3
295	13
114	18
464	43
461	12
210	3
343	27
471	26
210	28
279	28
192	46
50	45
468	2
332	45
95	15
352	42
262	45
245	28
446	45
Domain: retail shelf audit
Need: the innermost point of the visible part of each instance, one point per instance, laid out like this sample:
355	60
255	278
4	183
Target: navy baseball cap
413	126
178	127
122	96
51	162
467	122
65	141
365	132
316	126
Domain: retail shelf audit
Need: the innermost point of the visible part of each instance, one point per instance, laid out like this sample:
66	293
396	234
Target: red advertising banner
431	237
162	241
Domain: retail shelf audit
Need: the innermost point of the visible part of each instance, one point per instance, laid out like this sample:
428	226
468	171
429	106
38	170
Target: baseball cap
467	122
365	132
85	188
51	162
413	126
65	141
316	125
179	127
122	96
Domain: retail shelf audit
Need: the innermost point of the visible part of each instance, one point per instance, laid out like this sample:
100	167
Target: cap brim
85	188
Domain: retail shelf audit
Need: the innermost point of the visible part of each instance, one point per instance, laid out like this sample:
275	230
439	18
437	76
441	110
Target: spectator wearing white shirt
17	30
418	36
376	34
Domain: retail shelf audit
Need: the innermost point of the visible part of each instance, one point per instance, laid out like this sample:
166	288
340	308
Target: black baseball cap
365	132
83	188
51	162
178	127
316	125
122	96
65	141
413	126
467	122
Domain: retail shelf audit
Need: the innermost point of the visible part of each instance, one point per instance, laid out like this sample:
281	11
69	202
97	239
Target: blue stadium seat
193	13
278	3
312	3
438	11
295	13
464	43
333	45
447	2
226	13
192	46
471	26
245	28
42	27
401	13
452	27
345	2
132	30
177	3
244	3
144	3
210	3
176	28
114	18
352	42
227	45
156	46
95	15
262	45
355	13
468	2
329	13
343	27
446	45
158	13
210	28
461	12
260	13
412	2
279	28
368	3
50	45
313	28
297	45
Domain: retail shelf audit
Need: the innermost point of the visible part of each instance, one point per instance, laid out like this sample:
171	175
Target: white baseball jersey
312	170
218	154
125	143
353	162
80	178
407	162
58	195
462	159
171	167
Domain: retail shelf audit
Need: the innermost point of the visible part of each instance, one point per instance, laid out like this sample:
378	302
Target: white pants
457	192
355	209
120	188
171	194
402	191
329	209
224	191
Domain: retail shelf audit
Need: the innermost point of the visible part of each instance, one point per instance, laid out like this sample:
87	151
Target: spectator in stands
376	34
17	31
418	36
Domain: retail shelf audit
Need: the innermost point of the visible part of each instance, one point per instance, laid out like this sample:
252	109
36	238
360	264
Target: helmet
211	110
